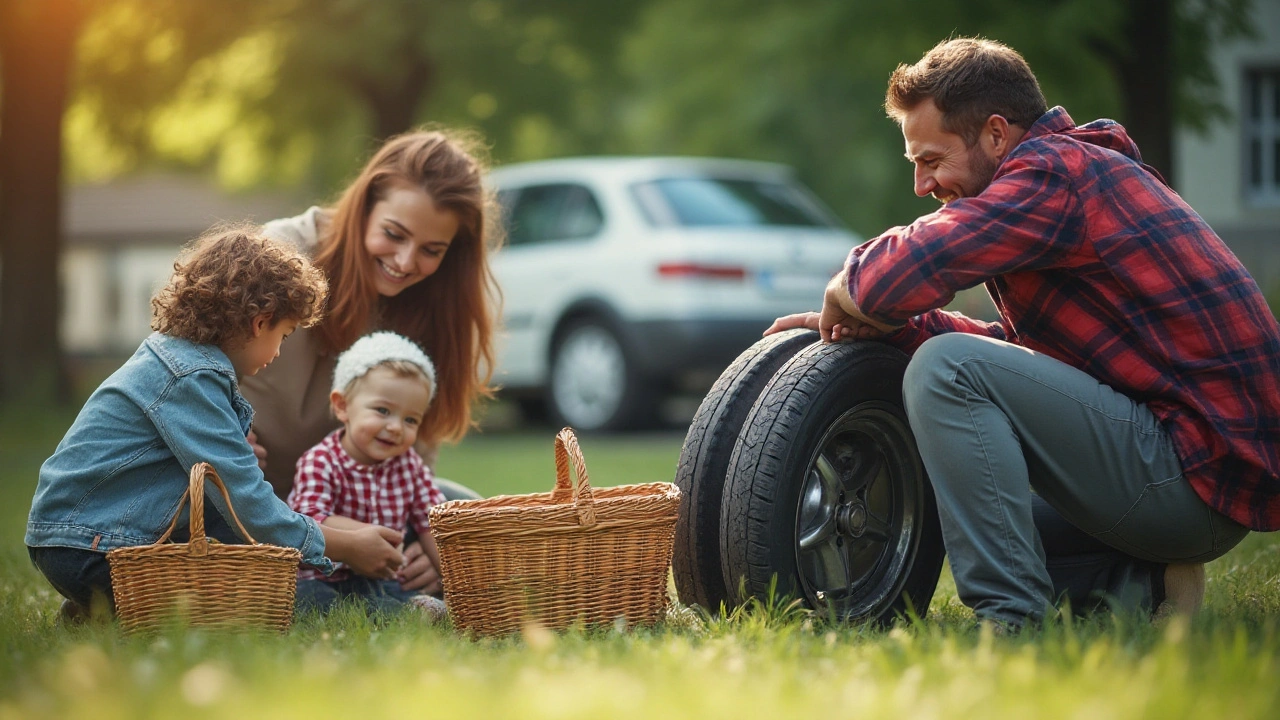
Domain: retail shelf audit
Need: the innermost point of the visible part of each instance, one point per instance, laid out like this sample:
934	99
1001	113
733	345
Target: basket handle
567	449
199	544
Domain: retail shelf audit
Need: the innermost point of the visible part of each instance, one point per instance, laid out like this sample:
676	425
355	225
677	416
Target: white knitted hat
374	349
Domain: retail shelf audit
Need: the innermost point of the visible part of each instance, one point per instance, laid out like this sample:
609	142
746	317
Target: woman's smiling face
406	236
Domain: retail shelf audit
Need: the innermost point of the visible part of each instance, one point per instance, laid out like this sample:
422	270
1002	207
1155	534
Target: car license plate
791	283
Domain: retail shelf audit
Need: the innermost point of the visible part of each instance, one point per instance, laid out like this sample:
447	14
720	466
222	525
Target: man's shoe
1183	590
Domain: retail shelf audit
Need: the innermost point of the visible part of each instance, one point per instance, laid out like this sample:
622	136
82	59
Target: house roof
163	209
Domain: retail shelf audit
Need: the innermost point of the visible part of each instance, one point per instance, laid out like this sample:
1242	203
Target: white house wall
143	271
86	320
107	296
1210	168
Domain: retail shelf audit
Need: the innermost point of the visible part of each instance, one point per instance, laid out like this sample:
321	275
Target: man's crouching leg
979	476
994	420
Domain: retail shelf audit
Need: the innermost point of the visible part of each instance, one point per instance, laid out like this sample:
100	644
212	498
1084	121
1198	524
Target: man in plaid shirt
1132	382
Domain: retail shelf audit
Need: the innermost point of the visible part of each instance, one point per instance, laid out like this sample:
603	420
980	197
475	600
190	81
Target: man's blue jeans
995	422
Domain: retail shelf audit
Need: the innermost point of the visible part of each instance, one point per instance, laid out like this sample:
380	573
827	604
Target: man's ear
338	402
998	136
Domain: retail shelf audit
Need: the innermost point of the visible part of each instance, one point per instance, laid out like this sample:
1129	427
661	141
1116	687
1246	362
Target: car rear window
707	202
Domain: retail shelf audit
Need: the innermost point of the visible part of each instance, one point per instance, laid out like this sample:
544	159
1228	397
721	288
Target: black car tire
826	491
590	363
704	462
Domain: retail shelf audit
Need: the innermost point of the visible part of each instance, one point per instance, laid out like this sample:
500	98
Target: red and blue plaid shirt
1091	259
393	493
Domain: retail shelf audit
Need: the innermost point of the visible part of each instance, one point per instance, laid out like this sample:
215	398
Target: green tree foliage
310	86
297	91
803	82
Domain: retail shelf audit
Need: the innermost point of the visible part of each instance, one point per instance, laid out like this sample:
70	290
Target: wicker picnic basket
574	555
204	582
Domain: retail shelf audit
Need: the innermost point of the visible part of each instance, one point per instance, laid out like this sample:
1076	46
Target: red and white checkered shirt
392	493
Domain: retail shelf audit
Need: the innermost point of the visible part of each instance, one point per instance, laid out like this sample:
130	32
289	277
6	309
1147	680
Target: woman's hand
419	573
258	451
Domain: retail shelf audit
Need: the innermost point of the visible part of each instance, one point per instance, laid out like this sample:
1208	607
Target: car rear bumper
682	349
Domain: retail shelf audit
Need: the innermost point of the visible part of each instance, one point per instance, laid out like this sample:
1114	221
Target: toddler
367	472
116	478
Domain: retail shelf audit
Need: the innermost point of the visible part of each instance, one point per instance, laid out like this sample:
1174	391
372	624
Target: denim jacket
118	475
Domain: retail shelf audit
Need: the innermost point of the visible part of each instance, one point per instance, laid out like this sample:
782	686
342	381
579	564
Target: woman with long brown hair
405	249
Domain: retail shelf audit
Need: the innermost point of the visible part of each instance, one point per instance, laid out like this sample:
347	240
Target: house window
1262	135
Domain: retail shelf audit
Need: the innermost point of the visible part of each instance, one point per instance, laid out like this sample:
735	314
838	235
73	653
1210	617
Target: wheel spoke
817	506
861	556
878	528
815	537
829	476
831	569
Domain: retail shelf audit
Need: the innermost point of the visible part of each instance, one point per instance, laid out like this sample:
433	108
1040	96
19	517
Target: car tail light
697	270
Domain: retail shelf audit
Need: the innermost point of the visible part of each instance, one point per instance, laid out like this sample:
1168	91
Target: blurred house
1231	175
121	241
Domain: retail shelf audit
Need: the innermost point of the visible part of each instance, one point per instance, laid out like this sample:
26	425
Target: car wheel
826	491
533	409
594	385
704	461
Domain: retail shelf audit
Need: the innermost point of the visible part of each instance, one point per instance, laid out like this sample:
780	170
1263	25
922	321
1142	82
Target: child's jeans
374	595
80	575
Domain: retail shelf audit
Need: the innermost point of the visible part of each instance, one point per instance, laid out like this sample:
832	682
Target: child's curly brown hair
229	276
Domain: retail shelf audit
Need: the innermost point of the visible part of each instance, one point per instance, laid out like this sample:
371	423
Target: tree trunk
1145	70
394	106
37	42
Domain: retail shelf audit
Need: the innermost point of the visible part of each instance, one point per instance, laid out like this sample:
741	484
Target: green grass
524	461
771	661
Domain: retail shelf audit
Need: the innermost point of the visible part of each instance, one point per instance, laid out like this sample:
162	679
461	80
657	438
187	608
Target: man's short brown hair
969	79
229	276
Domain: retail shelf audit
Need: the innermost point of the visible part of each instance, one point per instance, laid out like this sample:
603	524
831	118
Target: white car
627	279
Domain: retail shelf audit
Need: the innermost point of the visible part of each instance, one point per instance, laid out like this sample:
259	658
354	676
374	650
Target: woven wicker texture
574	555
204	582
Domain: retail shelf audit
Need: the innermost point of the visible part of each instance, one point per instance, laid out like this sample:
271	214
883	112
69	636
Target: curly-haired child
116	478
367	472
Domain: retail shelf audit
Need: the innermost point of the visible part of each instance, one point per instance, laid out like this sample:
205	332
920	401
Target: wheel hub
851	519
854	518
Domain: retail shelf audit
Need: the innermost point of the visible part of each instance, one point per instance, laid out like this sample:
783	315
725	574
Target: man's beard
982	170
